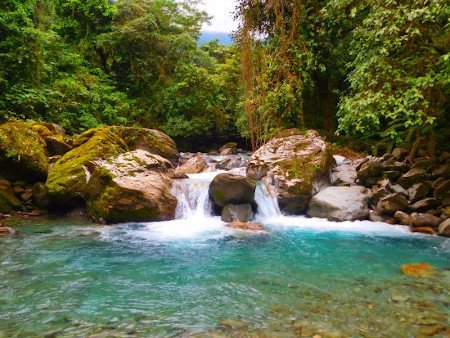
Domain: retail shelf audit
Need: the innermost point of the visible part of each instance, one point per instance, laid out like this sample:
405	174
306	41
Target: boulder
22	153
246	226
340	204
444	228
369	171
56	146
228	188
441	171
40	195
231	162
8	201
418	191
68	177
194	165
343	175
425	205
399	154
423	230
151	140
413	176
390	204
131	187
378	194
229	148
295	166
425	220
237	213
442	190
6	231
403	218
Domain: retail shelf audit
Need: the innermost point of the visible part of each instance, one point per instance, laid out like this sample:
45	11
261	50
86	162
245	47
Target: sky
222	20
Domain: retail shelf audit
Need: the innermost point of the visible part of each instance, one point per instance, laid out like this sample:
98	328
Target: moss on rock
67	178
151	140
116	196
22	153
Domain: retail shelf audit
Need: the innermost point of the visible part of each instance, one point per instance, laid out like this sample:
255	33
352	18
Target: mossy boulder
22	153
67	178
294	165
131	187
229	148
151	140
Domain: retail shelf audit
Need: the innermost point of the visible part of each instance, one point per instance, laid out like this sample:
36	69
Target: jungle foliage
83	63
371	70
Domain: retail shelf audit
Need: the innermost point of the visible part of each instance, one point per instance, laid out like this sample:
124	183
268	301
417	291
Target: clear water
196	277
64	278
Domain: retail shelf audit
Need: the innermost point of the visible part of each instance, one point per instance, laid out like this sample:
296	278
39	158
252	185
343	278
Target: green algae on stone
115	195
68	176
151	140
8	202
22	153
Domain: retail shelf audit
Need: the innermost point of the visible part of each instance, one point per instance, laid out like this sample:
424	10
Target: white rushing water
194	218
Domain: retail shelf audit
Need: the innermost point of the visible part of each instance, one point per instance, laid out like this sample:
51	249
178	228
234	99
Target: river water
196	277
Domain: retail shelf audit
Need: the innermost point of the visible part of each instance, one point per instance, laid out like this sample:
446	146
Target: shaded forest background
367	73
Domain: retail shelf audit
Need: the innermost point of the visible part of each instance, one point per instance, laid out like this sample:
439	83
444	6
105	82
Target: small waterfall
192	196
267	204
193	199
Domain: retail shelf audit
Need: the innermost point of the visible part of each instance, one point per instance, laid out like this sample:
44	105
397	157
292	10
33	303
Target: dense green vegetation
368	70
371	69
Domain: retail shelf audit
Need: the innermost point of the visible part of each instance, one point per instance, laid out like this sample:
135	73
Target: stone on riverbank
340	204
294	165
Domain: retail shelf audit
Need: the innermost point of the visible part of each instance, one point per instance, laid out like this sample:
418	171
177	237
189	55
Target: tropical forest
225	168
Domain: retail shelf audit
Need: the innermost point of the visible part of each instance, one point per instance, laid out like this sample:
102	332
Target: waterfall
194	203
192	196
267	204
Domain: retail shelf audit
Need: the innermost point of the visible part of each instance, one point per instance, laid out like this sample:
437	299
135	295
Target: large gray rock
295	166
133	186
228	188
340	204
237	213
390	204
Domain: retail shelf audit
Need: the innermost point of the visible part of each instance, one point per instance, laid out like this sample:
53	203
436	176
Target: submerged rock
6	231
340	204
246	226
131	187
294	165
22	153
419	270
